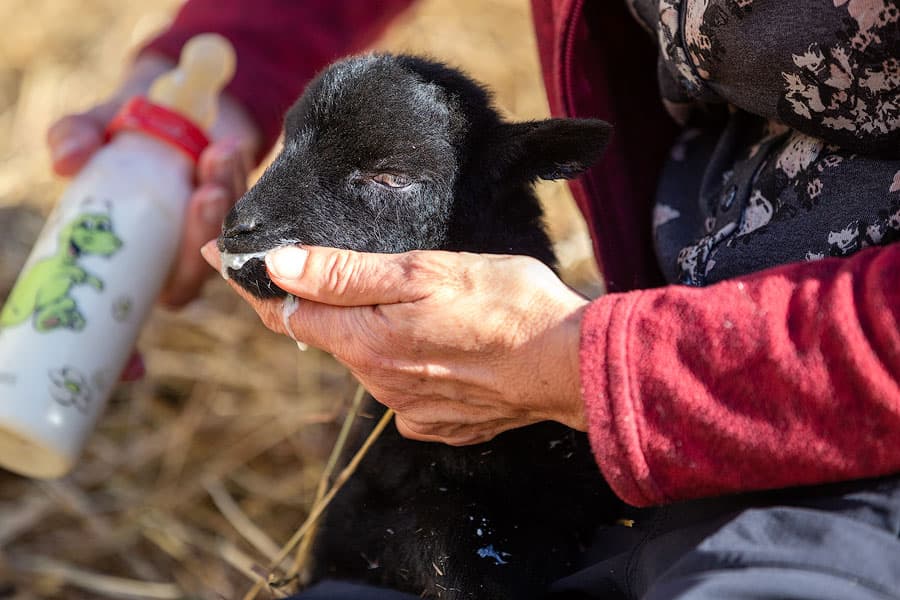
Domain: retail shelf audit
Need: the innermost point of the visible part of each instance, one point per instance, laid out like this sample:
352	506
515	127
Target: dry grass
198	474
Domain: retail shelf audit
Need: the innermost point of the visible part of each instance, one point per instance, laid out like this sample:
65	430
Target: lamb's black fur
495	520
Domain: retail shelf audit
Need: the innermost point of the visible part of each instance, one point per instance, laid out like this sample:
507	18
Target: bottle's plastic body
71	322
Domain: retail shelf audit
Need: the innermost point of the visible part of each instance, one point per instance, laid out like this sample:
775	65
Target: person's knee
787	552
762	583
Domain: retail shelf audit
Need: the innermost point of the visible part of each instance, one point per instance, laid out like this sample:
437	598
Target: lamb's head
390	153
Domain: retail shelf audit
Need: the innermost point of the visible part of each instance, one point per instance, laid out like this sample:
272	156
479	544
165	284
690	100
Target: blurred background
200	471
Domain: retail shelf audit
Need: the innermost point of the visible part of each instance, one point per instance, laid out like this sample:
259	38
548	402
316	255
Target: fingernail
224	161
210	253
208	250
73	144
230	144
135	368
212	206
287	262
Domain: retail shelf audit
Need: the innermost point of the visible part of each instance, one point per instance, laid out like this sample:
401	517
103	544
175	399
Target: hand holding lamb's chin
463	346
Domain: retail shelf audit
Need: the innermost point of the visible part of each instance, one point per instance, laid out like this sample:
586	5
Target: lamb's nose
236	226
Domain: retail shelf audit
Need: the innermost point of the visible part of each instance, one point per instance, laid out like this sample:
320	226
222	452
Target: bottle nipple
206	65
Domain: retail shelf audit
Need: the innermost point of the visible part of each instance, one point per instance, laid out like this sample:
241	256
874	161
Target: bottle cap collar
139	114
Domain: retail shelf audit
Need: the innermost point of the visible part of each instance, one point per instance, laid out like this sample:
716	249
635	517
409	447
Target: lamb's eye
392	181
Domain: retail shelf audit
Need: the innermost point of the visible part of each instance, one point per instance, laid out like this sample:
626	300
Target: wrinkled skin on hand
463	346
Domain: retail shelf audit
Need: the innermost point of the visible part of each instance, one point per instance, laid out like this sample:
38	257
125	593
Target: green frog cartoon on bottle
42	293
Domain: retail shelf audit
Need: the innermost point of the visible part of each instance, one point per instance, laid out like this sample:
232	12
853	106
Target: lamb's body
494	520
390	154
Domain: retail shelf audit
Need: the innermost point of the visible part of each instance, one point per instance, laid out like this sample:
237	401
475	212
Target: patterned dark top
792	139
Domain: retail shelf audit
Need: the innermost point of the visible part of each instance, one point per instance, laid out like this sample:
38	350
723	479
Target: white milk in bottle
70	323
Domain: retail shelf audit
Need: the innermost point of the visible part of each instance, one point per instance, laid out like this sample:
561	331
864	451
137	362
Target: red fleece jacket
785	377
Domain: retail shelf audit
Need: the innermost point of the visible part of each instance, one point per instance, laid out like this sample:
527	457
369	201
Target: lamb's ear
549	149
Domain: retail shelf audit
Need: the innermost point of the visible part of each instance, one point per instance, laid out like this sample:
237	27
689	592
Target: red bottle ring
139	114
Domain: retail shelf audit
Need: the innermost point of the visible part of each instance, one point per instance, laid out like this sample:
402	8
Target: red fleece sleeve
789	376
280	44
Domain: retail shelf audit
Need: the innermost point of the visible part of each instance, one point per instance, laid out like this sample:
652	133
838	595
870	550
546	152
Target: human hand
221	171
462	346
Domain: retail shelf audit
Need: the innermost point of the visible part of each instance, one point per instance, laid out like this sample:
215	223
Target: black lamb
390	153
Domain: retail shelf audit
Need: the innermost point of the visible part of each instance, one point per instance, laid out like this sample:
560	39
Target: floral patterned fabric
792	143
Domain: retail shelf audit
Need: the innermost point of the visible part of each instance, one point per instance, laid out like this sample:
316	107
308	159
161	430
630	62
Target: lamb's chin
249	271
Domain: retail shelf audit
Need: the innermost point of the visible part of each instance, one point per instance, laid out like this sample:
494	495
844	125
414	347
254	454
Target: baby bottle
70	323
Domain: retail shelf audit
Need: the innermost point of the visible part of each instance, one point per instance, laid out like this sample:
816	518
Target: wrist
564	402
575	413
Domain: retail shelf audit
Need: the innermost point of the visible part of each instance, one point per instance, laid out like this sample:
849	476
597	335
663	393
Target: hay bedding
198	474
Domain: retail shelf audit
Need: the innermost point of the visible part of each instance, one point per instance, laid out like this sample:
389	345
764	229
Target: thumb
73	139
348	278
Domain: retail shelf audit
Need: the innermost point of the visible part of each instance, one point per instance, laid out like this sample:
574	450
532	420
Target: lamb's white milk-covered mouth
237	261
290	302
